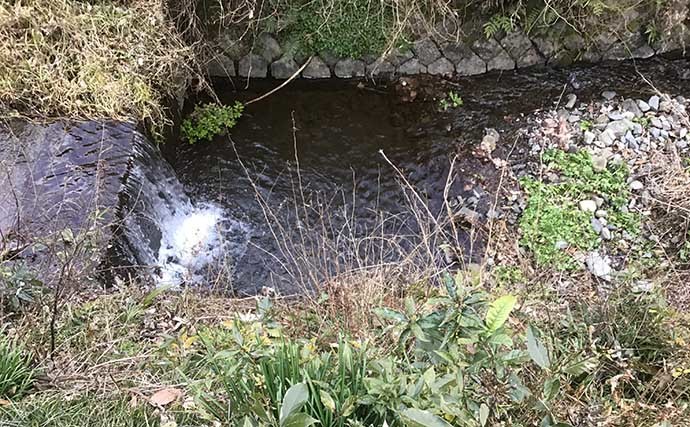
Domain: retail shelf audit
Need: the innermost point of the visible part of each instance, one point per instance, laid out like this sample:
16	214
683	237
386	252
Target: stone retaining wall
514	50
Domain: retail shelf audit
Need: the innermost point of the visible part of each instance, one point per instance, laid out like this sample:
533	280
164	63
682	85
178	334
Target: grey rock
597	226
636	185
599	162
644	107
654	102
380	67
632	107
607	138
412	67
317	69
467	63
561	245
221	66
426	51
253	65
546	46
606	234
521	49
643	52
329	59
348	68
598	265
284	68
619	127
589	137
656	122
268	47
493	54
609	95
398	56
571	100
601	213
588	206
441	67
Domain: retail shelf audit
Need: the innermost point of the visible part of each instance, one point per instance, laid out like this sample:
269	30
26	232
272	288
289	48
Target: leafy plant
451	100
210	120
498	23
16	373
18	286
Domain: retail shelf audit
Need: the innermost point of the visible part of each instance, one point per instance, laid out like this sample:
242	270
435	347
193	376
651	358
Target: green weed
54	410
210	120
350	28
451	100
16	373
552	225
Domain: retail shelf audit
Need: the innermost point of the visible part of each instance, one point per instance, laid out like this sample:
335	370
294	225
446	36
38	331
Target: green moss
351	28
552	214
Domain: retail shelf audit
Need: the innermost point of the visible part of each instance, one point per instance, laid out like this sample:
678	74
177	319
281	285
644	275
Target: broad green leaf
418	332
299	419
429	376
483	414
327	400
294	399
499	311
247	422
349	406
581	366
536	349
551	388
500	340
388	314
417	417
410	307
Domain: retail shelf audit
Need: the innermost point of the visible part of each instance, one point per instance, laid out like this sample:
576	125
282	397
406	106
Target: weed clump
210	120
351	28
553	225
88	60
16	373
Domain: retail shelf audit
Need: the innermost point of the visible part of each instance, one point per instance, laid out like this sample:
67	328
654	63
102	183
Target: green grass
552	214
16	373
55	410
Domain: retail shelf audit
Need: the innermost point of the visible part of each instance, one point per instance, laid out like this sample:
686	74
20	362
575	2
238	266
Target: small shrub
208	121
16	373
452	100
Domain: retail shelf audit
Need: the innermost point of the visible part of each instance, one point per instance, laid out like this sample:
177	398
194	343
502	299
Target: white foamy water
182	242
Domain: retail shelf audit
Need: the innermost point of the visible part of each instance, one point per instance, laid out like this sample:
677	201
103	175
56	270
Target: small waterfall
182	241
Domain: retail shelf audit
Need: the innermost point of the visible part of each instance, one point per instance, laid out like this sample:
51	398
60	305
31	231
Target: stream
327	148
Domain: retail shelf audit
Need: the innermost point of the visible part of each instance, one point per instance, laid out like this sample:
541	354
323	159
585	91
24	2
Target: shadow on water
336	129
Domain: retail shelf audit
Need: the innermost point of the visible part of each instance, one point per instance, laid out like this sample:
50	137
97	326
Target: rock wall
515	50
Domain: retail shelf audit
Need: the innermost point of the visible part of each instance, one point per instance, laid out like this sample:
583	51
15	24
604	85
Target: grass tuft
16	373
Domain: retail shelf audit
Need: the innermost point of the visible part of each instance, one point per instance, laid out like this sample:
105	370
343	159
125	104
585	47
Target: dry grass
67	58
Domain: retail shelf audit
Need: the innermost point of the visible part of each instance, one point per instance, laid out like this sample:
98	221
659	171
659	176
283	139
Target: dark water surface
336	130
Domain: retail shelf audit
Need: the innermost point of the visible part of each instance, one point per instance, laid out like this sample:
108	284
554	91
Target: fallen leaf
165	396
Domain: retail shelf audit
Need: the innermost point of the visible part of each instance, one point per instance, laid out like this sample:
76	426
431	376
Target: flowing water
322	143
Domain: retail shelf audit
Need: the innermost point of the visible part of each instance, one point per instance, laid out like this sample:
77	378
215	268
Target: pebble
636	185
606	234
588	206
601	213
608	95
599	163
598	265
644	107
572	99
654	102
561	245
589	137
597	226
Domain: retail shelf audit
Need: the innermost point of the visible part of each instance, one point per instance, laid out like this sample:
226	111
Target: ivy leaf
499	311
536	349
